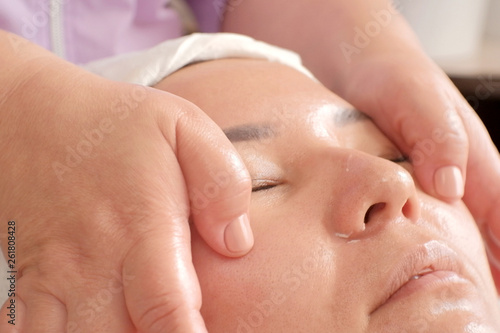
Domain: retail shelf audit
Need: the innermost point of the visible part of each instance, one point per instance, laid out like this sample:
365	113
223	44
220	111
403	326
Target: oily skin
316	265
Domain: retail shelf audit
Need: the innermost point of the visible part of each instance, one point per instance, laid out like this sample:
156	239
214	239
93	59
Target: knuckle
177	109
186	109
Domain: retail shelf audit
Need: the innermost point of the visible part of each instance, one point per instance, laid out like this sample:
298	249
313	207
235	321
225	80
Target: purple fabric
94	29
209	13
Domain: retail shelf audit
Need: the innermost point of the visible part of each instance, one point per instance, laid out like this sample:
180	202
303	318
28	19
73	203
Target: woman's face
345	241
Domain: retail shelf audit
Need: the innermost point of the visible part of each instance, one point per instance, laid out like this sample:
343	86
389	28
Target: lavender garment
209	13
85	30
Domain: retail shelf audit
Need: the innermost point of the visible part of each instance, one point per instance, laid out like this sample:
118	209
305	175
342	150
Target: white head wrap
151	66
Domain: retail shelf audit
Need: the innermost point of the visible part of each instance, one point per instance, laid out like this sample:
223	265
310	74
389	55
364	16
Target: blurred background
463	37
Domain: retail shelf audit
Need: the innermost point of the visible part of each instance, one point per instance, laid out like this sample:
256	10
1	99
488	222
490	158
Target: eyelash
265	185
263	188
400	159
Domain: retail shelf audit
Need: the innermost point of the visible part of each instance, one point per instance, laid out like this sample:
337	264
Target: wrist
362	33
371	44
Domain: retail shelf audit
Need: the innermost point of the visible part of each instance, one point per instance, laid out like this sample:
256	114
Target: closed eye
259	185
400	159
263	185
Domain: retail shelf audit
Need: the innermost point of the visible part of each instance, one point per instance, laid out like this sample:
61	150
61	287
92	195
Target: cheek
455	224
286	274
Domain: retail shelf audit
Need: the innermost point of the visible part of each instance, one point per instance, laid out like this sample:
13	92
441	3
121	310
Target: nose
369	192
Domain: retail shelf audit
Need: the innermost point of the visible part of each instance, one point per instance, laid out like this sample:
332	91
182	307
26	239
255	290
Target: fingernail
449	183
238	235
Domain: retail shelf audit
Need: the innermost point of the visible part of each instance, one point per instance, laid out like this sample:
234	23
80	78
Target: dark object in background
483	94
489	111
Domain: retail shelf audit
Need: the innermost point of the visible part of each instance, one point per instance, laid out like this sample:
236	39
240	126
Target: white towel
149	67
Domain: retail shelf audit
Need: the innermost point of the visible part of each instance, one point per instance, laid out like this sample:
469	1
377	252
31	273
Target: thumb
438	146
218	183
160	285
421	115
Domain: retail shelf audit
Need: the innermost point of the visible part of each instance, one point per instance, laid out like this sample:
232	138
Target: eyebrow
249	132
255	132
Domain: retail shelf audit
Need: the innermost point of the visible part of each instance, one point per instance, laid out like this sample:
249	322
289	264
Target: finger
99	306
12	316
44	312
482	189
492	238
492	243
421	117
439	146
98	312
218	182
162	292
491	232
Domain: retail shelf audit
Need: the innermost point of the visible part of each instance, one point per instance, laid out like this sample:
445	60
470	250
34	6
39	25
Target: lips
428	265
421	273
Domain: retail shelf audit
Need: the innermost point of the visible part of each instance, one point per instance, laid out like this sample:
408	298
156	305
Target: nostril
411	210
372	210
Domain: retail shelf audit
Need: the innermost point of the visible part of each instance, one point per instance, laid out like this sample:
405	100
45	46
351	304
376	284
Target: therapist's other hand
415	103
101	179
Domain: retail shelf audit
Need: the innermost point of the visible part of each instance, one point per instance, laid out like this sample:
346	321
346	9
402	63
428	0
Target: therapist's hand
101	179
415	104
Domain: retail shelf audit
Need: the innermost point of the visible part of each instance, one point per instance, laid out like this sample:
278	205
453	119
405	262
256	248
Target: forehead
328	114
240	91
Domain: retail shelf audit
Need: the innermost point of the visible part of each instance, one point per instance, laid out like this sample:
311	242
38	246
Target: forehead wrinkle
249	132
